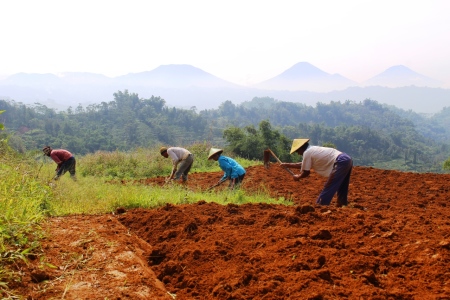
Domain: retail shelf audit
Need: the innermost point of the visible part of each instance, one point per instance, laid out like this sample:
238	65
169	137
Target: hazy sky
242	41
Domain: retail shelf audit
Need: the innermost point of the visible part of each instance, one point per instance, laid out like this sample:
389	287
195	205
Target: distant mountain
58	91
179	85
185	86
400	76
175	76
305	77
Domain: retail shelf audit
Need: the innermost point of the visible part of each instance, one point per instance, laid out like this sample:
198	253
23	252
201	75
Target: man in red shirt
64	159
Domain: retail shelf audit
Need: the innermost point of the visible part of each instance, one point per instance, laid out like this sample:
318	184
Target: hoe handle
273	154
217	184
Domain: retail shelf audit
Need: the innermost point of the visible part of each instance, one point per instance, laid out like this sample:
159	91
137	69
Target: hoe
267	154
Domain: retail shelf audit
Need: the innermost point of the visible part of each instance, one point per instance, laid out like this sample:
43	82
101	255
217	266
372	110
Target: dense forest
368	131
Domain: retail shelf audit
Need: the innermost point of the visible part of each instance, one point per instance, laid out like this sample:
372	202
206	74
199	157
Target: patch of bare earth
391	242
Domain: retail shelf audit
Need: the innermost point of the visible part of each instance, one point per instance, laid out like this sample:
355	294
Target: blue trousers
338	181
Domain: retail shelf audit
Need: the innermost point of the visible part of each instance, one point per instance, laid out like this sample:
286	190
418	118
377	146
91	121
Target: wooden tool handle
273	154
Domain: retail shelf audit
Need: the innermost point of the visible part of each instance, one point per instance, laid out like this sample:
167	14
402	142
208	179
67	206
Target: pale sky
241	41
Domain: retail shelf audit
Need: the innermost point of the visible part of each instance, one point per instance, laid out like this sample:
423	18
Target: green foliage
140	163
370	132
23	204
1	125
144	163
329	145
446	165
435	127
251	142
125	123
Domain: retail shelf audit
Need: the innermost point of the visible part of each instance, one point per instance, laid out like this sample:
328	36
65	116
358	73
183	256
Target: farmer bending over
182	161
64	159
328	162
233	170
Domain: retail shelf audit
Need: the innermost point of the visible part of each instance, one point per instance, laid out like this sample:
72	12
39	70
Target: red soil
391	242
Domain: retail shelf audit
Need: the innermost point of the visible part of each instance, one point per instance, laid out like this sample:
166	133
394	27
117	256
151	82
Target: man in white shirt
182	161
328	162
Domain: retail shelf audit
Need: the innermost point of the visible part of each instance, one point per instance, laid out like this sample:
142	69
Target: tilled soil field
391	242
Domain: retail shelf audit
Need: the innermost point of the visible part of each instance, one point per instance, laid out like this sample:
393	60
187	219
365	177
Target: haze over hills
186	86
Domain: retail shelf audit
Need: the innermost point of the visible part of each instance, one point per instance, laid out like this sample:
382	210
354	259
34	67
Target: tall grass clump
144	163
23	204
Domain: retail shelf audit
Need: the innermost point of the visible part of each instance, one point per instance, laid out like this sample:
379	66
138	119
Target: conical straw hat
214	151
297	144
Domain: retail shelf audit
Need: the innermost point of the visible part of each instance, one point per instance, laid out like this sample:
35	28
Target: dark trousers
338	181
68	165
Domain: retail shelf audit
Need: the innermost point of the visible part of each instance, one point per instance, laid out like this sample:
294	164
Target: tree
270	137
329	145
446	165
1	125
251	143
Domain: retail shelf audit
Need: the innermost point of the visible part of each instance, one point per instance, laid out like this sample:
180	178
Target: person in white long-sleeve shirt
325	161
182	161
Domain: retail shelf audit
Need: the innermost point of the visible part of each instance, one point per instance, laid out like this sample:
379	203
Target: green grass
90	195
141	163
94	193
23	205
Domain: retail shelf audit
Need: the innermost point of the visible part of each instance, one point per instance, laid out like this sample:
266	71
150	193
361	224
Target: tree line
368	131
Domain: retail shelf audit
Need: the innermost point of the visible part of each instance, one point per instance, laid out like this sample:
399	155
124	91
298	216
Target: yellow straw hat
297	144
213	151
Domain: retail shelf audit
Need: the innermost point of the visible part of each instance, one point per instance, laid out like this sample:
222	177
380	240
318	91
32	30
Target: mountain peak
302	70
178	68
175	76
305	76
399	69
398	76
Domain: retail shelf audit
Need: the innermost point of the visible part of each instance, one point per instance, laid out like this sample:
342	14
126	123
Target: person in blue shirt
233	170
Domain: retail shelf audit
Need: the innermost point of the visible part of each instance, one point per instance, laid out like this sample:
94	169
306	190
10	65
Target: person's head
214	153
299	146
47	150
163	152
